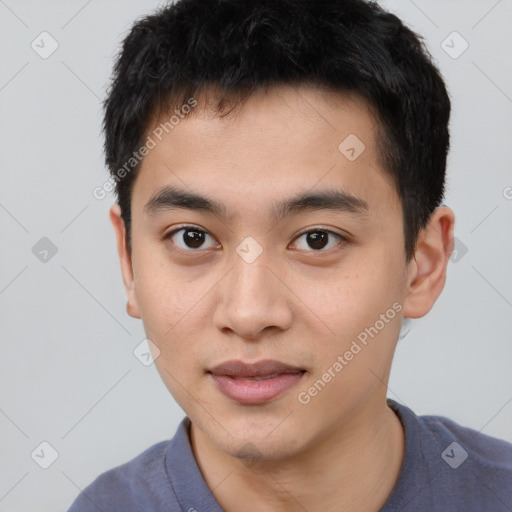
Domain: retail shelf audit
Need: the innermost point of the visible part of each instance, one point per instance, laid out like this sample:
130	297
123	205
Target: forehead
280	142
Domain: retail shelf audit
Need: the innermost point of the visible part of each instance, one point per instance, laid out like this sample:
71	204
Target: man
280	170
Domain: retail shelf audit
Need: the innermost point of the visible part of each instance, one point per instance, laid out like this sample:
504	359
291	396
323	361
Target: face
319	285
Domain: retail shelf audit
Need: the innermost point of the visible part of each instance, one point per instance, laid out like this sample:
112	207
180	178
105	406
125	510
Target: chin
252	451
253	442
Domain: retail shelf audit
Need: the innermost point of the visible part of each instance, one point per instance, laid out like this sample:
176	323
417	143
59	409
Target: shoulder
484	451
453	467
139	484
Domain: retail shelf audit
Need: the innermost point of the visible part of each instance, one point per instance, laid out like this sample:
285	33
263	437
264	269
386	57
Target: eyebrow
172	198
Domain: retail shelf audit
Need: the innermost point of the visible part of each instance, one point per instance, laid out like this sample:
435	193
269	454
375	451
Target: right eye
190	238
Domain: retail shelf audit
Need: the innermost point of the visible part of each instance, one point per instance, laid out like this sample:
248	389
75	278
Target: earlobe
132	307
427	270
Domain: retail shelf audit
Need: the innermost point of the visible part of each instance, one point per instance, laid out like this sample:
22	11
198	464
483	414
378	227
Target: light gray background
68	375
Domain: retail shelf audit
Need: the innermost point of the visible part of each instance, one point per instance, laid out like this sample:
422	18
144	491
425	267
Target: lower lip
254	392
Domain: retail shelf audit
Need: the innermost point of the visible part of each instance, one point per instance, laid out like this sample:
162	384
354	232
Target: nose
253	301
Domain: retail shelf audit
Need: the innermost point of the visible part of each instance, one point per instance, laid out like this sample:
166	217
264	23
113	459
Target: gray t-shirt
446	468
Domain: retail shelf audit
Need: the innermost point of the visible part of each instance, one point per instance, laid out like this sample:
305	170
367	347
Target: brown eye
191	238
318	239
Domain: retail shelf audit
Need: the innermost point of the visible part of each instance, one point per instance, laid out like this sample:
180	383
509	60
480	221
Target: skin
343	450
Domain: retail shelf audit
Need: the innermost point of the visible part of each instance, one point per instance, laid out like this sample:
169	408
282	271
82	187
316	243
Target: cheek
164	294
354	296
174	313
362	306
170	320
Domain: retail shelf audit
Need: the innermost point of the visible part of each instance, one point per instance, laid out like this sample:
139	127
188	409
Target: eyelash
342	239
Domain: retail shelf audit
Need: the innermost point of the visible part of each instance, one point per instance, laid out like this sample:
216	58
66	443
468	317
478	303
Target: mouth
255	383
258	378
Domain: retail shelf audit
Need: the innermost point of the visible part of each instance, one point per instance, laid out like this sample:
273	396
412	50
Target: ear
426	274
132	306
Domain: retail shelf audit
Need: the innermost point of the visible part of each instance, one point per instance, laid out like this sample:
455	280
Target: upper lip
237	368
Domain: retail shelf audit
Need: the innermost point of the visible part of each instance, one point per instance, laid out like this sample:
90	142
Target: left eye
318	239
190	238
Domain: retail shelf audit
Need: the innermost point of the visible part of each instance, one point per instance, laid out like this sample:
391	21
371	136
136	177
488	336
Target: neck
353	467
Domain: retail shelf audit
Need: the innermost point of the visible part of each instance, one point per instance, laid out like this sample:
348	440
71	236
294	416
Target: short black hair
238	47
